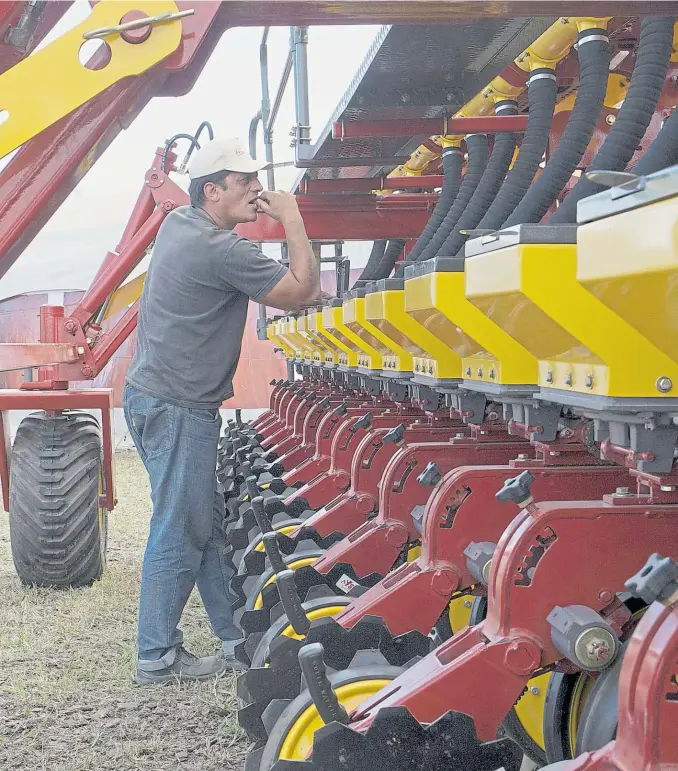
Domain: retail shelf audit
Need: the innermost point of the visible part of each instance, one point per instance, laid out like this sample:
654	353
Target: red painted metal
412	127
648	699
113	339
22	355
464	509
370	184
309	12
90	399
374	546
351	218
552	554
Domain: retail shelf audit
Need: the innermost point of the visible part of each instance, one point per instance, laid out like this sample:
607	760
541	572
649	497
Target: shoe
176	665
228	655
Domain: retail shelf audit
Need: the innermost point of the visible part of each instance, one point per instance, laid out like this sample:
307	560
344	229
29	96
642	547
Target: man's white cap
223	155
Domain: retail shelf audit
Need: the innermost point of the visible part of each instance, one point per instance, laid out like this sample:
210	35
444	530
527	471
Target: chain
161	18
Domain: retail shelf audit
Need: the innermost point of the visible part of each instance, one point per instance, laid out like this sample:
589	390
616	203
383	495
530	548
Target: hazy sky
66	254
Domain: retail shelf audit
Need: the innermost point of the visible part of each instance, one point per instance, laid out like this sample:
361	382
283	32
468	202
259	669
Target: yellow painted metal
284	530
341	350
546	51
124	296
459	612
617	86
274	332
356	320
530	708
348	342
630	263
582	346
299	740
438	301
328	352
413	553
301	345
674	55
329	612
386	310
310	346
58	83
294	565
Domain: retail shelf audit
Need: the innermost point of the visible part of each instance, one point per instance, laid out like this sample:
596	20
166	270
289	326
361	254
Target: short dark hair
196	188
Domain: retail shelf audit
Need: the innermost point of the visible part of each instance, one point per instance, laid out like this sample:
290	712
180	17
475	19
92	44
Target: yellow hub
329	612
298	743
530	708
295	565
284	530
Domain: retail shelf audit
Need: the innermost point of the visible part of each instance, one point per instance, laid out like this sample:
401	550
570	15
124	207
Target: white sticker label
346	584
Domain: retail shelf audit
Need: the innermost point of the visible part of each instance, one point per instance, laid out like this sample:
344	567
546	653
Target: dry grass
67	698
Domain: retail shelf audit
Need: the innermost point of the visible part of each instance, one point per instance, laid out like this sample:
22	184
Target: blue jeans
186	544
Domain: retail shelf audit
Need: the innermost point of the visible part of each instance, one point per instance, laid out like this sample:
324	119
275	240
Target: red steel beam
484	124
309	12
351	218
367	185
22	355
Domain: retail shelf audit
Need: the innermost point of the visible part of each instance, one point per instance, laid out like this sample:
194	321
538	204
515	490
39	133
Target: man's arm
301	284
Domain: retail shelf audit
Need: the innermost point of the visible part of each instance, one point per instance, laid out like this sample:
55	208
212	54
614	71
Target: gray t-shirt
193	309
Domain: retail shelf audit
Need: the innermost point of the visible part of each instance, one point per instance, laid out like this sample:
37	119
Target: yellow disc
413	553
459	612
299	740
284	530
259	604
530	708
328	612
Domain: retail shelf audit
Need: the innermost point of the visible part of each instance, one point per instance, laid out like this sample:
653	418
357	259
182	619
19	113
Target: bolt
605	596
459	436
467	372
549	376
71	326
522	456
568	379
467	603
623	491
664	384
87	371
480	371
534	690
595	647
610	120
492	374
667	488
589	381
405	98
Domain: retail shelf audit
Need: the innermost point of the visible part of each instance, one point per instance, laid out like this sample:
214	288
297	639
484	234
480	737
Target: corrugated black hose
453	160
593	48
541	95
478	152
378	248
647	83
495	172
663	152
393	251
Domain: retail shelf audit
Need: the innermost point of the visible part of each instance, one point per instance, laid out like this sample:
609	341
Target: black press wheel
57	528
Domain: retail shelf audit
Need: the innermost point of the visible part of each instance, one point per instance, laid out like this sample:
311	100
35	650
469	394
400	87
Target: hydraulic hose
477	147
378	248
541	95
391	254
452	162
495	172
593	47
663	152
647	83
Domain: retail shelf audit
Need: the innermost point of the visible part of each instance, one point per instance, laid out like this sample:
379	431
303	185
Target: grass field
67	698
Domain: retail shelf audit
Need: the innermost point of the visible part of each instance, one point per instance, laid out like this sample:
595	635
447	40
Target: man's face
238	201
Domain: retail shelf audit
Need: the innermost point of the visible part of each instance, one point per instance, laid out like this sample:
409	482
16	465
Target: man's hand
279	205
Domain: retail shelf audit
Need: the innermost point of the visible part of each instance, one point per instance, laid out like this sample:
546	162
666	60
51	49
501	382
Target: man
191	322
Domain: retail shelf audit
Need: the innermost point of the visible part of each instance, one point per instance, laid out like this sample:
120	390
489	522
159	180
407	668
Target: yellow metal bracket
58	83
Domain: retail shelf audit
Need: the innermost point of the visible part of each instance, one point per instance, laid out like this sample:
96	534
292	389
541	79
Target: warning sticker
346	584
